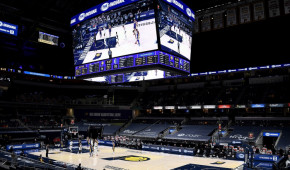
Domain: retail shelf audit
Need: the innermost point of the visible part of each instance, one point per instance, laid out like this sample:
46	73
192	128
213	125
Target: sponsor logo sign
8	28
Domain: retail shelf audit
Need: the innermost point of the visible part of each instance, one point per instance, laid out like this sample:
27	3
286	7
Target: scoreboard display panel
152	59
140	61
48	39
134	61
125	62
95	67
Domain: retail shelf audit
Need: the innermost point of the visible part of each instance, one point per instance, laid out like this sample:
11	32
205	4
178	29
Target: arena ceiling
54	17
59	12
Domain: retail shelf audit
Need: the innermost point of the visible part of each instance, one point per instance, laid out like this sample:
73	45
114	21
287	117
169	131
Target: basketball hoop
73	130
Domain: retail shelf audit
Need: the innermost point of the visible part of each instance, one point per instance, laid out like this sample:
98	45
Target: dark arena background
145	84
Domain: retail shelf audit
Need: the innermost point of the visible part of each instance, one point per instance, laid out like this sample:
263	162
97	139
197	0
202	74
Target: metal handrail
35	161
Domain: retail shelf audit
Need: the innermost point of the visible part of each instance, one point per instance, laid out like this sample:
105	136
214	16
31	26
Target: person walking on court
47	149
80	147
96	144
70	145
91	147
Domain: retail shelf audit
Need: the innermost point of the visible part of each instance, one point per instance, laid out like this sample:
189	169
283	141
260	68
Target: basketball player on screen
135	24
110	30
125	32
100	30
117	39
178	47
137	37
135	28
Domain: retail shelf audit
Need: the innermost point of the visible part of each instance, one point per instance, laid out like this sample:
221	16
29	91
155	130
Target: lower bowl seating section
193	133
285	138
152	131
134	128
145	127
108	128
242	133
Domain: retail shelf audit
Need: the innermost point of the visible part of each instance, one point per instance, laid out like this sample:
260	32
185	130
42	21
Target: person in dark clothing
281	152
46	148
11	149
257	151
110	53
274	151
79	167
207	151
22	153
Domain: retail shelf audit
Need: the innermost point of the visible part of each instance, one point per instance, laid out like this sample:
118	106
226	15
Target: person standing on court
113	146
80	147
47	149
91	147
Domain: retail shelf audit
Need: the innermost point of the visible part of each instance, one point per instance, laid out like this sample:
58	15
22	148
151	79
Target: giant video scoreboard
118	37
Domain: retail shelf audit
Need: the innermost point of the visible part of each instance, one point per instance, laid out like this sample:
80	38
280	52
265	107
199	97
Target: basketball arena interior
144	84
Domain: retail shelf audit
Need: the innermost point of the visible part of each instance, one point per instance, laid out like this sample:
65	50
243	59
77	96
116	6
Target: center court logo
136	159
219	162
130	158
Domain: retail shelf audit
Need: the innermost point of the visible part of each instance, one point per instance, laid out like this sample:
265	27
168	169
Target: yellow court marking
136	158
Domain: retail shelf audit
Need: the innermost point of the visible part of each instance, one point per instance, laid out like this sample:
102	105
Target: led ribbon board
271	134
99	9
8	28
143	59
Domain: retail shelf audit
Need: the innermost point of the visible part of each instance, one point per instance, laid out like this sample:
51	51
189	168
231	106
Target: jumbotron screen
113	29
175	28
48	39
